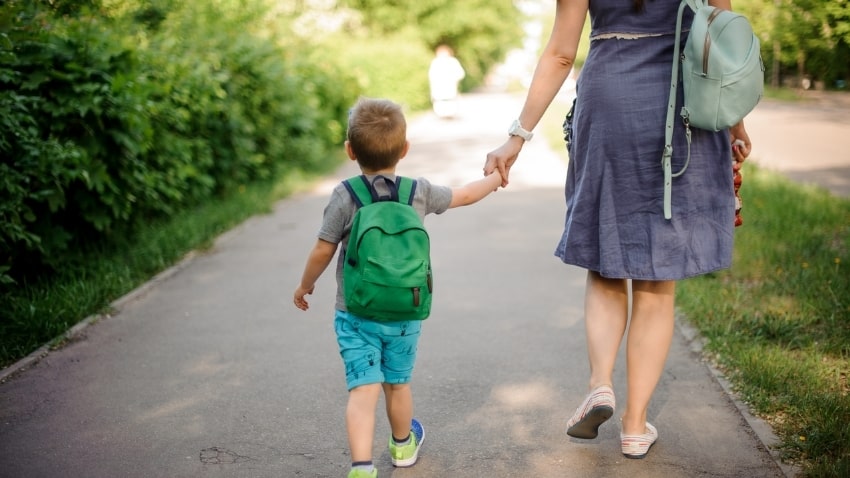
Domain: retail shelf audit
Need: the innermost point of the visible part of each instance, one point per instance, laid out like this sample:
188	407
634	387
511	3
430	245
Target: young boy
378	355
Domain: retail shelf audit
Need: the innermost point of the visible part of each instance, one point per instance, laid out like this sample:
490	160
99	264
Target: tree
810	38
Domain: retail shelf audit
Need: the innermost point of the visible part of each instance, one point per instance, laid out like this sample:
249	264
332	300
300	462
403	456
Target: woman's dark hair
638	5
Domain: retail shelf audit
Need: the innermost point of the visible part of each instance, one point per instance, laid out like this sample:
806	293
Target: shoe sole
639	457
588	427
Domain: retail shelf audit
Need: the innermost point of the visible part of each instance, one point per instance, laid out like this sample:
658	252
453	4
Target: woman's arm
551	71
556	61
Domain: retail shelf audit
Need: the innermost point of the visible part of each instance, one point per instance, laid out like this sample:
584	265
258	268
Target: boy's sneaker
406	455
355	473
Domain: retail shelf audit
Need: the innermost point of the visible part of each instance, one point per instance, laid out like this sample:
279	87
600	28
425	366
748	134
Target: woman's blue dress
615	223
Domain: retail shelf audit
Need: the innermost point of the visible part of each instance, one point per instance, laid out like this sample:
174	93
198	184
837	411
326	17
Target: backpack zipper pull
416	296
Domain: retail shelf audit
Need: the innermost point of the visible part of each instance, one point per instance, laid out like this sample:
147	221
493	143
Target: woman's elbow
565	61
559	58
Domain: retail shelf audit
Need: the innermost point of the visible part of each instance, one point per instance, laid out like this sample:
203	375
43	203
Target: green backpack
387	270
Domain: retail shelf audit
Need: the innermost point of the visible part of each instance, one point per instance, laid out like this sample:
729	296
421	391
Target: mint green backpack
387	270
722	69
722	76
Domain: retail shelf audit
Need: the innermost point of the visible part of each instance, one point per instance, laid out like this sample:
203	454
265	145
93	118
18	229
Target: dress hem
625	275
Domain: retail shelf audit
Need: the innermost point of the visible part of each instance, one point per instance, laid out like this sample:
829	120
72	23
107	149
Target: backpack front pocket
393	288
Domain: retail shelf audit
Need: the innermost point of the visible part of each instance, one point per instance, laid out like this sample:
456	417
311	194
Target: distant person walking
444	75
615	227
378	354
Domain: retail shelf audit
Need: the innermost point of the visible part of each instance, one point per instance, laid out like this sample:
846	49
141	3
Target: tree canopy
802	39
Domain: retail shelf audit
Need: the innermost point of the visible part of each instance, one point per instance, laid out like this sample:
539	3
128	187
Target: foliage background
802	39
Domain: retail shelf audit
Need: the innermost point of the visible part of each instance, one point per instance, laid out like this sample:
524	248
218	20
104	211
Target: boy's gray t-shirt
339	214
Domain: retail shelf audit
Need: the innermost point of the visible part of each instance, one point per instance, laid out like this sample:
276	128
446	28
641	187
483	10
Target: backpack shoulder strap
695	4
360	190
406	190
667	155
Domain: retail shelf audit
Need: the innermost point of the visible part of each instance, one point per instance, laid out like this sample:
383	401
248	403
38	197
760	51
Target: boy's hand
299	300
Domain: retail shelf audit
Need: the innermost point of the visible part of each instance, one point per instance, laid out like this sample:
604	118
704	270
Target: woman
615	226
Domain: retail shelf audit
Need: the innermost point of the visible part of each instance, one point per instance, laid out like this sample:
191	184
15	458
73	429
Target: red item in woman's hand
738	178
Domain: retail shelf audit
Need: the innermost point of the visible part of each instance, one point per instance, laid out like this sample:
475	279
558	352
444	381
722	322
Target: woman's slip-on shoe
637	446
597	407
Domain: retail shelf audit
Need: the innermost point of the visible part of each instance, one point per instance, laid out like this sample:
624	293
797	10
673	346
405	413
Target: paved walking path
809	141
209	371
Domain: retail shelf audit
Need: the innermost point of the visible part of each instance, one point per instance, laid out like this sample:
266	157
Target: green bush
108	123
65	138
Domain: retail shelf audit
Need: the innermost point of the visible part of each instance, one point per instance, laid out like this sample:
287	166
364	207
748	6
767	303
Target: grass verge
40	313
778	322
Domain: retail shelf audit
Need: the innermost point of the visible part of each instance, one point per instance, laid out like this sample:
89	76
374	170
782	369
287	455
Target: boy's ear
405	150
350	151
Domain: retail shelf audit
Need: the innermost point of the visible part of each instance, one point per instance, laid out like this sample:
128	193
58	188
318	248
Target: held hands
299	299
503	158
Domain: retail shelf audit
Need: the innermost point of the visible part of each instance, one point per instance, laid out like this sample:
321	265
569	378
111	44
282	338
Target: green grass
40	313
783	94
778	322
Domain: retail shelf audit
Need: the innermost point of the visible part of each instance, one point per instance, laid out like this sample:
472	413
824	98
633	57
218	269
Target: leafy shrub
106	124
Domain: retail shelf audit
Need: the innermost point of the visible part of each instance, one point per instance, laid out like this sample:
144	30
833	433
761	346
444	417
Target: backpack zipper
714	14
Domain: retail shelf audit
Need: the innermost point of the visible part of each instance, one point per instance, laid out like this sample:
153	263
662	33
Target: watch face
516	130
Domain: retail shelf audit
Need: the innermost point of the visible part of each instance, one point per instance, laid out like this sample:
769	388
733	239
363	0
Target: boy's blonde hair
377	133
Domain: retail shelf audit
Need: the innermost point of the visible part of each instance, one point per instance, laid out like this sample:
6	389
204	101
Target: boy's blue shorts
376	352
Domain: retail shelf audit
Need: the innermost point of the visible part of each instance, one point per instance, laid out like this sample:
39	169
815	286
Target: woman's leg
650	335
360	420
399	398
606	309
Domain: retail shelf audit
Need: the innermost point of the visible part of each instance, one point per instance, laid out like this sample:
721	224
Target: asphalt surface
209	370
809	141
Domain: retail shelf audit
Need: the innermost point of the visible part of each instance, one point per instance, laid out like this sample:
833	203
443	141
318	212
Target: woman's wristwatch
517	130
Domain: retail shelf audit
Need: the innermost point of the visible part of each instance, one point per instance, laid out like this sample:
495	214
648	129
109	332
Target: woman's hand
503	158
741	145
